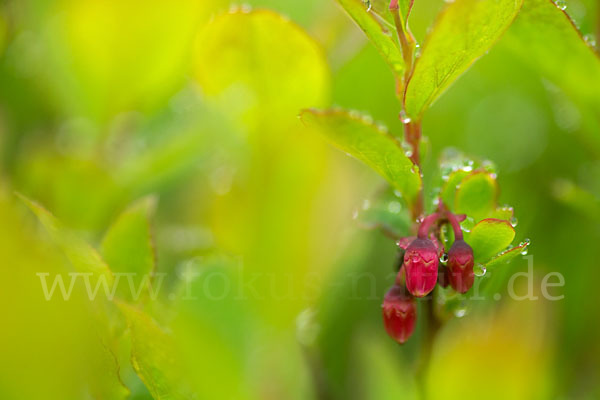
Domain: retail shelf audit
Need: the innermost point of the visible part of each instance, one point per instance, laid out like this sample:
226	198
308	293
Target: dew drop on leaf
366	204
525	242
590	39
460	311
514	221
394	207
562	4
479	269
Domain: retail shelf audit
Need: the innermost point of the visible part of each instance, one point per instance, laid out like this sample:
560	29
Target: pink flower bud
399	314
421	265
460	265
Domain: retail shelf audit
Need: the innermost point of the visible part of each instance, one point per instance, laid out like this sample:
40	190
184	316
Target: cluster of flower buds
421	270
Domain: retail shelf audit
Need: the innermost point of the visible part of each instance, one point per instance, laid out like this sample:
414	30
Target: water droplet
408	153
394	207
404	118
590	39
479	269
367	119
525	251
444	258
366	204
382	128
514	221
562	4
307	328
397	193
467	168
525	242
488	166
460	311
417	51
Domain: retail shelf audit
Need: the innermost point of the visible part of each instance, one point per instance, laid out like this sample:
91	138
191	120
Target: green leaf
379	28
153	356
477	195
108	383
546	38
360	138
261	68
489	237
462	33
506	256
128	245
80	254
449	189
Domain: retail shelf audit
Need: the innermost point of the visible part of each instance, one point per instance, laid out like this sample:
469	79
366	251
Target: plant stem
431	331
406	39
412	135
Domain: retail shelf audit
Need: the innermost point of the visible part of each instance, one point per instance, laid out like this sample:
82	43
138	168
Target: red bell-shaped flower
399	314
421	265
460	266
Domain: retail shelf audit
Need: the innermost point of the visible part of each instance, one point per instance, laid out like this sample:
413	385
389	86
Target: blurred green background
105	102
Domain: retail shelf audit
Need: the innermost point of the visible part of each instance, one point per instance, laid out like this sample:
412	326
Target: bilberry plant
452	229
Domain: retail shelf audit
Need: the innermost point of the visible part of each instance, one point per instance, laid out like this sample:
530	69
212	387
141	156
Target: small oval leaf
476	195
489	237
